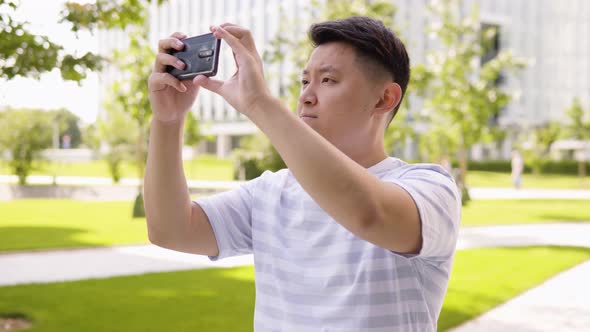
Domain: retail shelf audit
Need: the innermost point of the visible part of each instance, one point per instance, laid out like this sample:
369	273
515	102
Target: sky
51	92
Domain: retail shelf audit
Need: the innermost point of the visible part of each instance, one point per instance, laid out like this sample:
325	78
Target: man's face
339	97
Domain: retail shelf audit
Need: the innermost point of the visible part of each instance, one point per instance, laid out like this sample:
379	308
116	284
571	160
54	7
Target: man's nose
308	97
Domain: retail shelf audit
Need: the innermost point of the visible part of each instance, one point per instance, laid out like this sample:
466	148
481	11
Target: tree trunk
138	208
582	168
463	166
462	178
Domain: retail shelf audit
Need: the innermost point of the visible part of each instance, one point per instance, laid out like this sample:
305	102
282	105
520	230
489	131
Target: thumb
210	84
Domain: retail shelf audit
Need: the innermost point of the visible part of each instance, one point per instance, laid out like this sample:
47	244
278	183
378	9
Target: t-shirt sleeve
439	206
230	216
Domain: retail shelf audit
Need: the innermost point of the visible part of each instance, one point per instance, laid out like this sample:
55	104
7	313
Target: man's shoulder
403	169
269	178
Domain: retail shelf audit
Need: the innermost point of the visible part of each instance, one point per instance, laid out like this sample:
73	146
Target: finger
210	84
241	33
167	44
164	59
159	81
178	35
231	40
245	37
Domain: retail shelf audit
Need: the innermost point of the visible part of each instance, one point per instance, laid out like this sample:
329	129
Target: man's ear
391	96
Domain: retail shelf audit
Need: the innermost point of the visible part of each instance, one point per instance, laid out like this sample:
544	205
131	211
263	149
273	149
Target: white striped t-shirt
314	275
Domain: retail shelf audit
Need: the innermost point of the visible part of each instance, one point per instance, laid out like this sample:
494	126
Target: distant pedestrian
517	165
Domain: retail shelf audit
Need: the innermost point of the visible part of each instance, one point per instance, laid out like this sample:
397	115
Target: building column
223	146
477	152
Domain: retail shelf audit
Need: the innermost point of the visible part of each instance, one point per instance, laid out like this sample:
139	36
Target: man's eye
304	82
327	79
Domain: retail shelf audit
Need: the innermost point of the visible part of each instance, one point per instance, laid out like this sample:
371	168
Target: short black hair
376	45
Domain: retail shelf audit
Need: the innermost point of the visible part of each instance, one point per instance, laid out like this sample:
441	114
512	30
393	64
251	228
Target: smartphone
200	56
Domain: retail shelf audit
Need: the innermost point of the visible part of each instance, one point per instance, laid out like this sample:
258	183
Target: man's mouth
308	116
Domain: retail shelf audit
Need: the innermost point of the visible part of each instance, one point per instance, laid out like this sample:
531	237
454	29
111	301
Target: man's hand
170	98
247	87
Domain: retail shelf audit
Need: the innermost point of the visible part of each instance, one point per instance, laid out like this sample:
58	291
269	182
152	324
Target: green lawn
205	167
483	278
495	212
223	299
209	167
57	223
529	181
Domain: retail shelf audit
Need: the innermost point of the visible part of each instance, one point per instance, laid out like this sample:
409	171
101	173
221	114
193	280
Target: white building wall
553	34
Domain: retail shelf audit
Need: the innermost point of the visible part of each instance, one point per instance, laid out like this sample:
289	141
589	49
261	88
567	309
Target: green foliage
538	142
579	128
68	124
105	14
24	133
118	130
29	55
579	121
128	108
461	96
254	156
192	132
90	137
138	208
26	54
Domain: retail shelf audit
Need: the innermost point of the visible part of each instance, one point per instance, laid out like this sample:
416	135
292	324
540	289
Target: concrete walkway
67	265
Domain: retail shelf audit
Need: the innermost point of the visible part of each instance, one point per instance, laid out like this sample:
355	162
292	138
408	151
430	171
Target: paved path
91	263
62	265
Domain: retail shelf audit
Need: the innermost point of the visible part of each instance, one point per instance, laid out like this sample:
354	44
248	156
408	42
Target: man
346	238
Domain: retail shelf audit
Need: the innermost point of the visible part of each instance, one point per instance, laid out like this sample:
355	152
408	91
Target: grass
204	167
29	224
483	278
223	299
56	223
500	212
529	181
209	167
218	299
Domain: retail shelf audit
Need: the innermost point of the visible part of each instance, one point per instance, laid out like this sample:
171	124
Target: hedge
563	167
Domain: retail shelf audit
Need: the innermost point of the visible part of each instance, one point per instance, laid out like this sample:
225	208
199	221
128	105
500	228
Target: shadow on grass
565	217
197	300
35	237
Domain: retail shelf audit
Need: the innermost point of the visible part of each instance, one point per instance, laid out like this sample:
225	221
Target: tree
192	131
129	96
29	55
68	124
118	130
290	41
579	128
91	137
537	144
461	95
24	133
